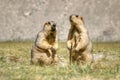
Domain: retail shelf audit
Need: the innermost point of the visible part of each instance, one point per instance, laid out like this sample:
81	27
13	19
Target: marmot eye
76	15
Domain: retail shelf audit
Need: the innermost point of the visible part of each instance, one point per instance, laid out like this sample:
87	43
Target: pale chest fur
76	37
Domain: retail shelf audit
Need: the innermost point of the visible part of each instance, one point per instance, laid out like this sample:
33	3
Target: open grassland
15	63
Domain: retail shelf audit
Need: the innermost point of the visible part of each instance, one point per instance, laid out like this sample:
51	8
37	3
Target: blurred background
23	19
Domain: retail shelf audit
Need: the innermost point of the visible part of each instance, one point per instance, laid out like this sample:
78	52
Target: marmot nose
70	18
54	25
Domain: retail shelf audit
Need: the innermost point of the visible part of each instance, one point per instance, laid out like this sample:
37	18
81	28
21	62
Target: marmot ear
45	24
81	18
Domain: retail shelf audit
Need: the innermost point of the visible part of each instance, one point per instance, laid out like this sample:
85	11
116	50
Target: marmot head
76	20
50	26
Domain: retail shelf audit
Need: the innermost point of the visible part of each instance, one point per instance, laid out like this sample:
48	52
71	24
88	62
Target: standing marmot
78	42
44	49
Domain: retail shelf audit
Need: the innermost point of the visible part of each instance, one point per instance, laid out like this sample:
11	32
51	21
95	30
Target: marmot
43	51
78	43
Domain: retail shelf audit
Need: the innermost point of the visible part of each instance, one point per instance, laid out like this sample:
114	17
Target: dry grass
15	64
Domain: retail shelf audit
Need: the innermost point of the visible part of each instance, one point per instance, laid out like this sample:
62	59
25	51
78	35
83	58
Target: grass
15	64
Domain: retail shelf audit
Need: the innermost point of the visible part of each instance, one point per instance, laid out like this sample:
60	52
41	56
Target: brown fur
78	42
44	50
